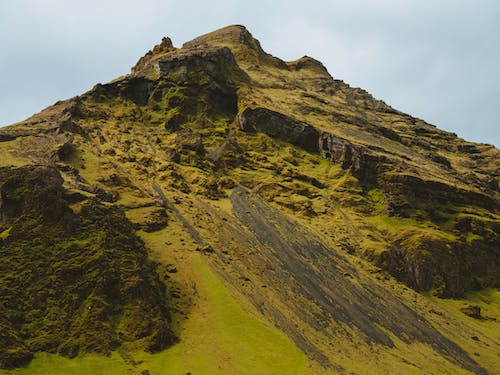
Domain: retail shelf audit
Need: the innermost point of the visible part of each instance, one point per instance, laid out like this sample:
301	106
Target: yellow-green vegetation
159	152
89	364
11	155
391	224
72	283
219	337
485	333
5	233
219	334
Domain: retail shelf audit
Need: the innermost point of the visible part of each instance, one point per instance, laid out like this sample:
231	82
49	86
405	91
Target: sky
438	60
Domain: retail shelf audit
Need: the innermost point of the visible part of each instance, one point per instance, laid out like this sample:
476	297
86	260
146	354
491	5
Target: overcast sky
435	59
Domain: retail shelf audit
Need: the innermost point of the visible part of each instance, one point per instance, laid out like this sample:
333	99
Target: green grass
52	364
221	338
391	224
376	199
487	330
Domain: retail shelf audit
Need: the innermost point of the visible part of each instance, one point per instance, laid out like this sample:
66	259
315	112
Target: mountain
219	210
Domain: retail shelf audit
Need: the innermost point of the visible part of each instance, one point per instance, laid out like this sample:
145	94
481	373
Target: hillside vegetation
219	210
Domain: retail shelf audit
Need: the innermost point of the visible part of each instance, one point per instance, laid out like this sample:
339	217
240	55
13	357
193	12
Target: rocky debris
228	154
440	160
468	148
114	180
473	311
68	126
20	193
205	249
64	123
99	192
320	274
165	45
6	136
170	268
134	88
63	150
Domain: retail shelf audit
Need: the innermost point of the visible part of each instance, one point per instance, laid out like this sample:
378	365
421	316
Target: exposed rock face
472	311
235	36
45	185
262	227
164	47
214	61
279	126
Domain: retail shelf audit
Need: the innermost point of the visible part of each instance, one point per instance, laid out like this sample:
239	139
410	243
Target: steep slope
72	282
280	178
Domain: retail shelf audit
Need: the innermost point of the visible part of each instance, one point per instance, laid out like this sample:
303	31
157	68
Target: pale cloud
437	60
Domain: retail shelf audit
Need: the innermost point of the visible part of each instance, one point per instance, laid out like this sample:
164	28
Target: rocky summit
221	211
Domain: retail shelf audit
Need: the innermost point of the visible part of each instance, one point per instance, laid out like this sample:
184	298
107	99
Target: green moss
5	233
74	283
53	364
470	237
390	223
211	339
375	199
210	343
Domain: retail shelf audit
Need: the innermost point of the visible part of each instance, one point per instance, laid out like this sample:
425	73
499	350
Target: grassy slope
485	333
219	337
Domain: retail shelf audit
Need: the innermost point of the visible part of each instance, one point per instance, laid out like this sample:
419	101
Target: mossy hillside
211	338
225	256
73	283
302	183
180	128
198	130
210	342
209	320
419	168
485	330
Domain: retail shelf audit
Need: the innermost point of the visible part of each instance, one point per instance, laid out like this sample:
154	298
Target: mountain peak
232	35
244	46
217	156
158	50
